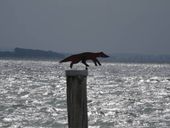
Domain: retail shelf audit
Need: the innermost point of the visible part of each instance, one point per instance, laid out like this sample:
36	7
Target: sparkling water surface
33	95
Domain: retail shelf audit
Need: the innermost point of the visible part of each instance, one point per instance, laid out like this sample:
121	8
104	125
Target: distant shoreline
31	54
22	53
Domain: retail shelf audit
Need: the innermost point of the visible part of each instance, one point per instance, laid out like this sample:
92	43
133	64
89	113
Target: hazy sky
113	26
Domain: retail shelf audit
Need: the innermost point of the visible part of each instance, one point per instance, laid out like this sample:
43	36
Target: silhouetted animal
83	57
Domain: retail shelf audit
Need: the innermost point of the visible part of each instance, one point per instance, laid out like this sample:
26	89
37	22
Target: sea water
33	95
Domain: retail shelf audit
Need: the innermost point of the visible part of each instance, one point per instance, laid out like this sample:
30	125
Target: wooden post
77	98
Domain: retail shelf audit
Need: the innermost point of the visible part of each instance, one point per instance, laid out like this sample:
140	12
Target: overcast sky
113	26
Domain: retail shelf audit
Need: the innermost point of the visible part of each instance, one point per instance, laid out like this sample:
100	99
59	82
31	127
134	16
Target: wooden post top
76	72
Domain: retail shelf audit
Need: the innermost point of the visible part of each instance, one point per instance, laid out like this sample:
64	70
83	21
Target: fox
83	57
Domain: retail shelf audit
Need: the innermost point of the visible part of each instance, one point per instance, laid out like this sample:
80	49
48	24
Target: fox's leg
84	62
71	65
95	62
98	61
73	62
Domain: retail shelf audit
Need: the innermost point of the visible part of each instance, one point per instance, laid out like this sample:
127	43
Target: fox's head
102	54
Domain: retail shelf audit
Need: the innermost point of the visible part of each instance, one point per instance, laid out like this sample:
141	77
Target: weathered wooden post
77	98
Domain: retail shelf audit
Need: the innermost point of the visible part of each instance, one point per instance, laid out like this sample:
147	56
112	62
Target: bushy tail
65	60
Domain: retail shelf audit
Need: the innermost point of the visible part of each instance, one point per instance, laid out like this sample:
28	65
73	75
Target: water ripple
33	95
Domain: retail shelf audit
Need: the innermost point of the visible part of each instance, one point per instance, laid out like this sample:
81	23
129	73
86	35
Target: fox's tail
65	60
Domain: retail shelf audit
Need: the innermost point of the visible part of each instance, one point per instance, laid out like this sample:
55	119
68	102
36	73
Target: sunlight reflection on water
33	95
